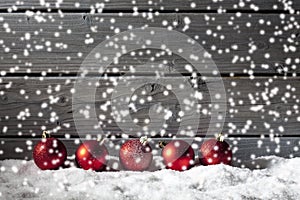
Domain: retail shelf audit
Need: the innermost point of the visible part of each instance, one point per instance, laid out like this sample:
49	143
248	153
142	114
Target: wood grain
262	106
169	5
246	44
244	149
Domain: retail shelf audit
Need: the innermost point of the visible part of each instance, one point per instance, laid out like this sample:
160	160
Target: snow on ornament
215	151
50	153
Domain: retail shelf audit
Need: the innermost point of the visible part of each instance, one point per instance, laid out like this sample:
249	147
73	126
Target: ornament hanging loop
144	140
101	140
162	144
45	134
220	137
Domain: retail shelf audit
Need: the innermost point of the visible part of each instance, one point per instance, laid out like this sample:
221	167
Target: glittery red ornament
49	153
136	154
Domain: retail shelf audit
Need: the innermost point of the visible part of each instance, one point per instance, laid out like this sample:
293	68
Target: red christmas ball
136	155
49	153
215	151
91	155
178	155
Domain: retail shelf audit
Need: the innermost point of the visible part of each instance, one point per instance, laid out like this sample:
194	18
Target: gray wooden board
50	48
116	5
244	149
261	106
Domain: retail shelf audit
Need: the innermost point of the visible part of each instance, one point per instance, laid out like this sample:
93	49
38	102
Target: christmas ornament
215	151
177	155
136	154
92	155
49	153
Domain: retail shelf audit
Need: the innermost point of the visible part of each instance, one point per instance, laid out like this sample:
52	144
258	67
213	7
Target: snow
279	180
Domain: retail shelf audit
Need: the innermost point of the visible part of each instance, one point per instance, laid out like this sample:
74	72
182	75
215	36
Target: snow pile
280	180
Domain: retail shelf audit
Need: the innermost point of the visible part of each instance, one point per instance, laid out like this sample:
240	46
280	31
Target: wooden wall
43	46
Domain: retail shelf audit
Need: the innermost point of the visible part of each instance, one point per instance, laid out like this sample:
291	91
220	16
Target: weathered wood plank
261	106
244	149
170	5
246	44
